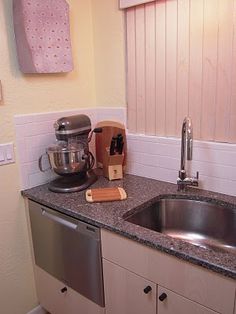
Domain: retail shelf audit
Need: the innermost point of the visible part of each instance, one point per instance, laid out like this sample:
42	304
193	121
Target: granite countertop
141	191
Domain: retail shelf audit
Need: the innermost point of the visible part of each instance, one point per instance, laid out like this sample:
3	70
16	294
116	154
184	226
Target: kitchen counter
141	191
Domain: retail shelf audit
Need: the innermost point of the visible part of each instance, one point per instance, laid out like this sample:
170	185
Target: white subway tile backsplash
159	158
153	172
37	178
218	185
148	156
35	132
154	160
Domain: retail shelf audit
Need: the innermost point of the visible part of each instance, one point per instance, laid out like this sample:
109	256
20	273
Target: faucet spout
186	154
186	142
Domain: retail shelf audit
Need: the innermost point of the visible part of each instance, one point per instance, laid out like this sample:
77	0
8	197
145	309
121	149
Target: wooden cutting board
105	195
103	140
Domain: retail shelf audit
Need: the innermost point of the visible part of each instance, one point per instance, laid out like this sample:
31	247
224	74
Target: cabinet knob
163	296
147	289
63	290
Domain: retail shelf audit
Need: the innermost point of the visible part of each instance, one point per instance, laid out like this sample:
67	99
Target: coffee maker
70	157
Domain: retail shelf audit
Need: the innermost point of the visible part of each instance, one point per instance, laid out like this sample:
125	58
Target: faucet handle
195	179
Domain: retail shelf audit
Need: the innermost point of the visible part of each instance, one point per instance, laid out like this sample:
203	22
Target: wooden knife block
103	140
113	165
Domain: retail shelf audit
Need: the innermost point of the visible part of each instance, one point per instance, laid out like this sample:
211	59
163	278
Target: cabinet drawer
174	303
53	300
124	291
193	282
49	292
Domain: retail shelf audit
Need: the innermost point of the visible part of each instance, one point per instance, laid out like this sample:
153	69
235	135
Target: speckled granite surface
141	191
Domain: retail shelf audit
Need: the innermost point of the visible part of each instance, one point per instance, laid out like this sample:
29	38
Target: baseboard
38	310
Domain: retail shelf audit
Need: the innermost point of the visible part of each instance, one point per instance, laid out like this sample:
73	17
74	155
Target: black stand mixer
70	157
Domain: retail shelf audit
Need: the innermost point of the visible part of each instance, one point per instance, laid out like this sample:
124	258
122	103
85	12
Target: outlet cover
7	155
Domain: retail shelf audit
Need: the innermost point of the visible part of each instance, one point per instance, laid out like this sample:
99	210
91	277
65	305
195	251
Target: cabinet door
172	303
124	291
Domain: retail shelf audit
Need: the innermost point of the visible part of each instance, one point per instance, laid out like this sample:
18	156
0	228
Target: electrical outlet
7	154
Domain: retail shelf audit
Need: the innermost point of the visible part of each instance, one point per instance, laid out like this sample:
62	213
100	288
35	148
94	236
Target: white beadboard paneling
131	70
150	55
181	61
224	78
182	104
171	67
140	40
195	63
160	67
232	123
210	50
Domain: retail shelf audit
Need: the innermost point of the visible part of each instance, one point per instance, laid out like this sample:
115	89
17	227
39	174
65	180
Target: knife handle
112	146
119	142
121	148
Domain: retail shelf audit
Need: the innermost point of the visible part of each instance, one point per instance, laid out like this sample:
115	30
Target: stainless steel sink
198	222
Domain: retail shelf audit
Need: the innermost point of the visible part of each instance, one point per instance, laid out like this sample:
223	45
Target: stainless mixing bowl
65	160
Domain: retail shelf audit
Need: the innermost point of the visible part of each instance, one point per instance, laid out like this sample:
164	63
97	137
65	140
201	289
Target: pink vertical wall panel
224	77
150	56
210	54
171	67
232	122
191	47
140	68
42	32
182	62
131	70
195	63
160	67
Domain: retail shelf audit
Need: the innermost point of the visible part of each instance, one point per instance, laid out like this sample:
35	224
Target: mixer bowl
67	162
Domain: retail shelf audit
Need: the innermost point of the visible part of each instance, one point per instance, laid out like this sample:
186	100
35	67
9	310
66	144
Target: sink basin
199	222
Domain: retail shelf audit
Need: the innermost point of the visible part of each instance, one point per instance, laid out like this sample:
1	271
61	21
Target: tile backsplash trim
148	156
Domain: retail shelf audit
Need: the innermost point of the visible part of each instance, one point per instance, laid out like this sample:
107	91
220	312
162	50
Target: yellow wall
40	93
109	53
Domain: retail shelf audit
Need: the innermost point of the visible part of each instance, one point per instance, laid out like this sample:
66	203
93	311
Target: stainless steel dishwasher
69	250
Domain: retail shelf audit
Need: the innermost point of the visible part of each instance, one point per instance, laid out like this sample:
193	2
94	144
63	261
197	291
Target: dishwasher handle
59	220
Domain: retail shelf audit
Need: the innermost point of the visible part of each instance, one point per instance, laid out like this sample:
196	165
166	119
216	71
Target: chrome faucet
186	151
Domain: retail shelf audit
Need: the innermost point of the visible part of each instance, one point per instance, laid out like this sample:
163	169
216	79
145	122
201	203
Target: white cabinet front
57	298
126	292
172	303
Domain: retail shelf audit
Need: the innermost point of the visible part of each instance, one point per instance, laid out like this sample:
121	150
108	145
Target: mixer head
77	127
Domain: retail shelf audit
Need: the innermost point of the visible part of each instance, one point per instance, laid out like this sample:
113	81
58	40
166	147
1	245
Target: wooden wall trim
130	3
